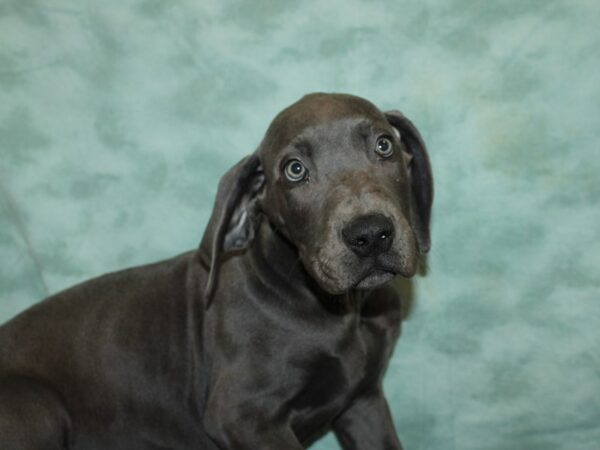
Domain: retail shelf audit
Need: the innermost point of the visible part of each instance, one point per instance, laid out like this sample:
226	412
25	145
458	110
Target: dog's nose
369	235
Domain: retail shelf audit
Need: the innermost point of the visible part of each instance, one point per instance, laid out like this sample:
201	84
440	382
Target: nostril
361	241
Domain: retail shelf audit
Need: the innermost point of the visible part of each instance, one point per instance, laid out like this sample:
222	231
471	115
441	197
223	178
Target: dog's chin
337	282
375	278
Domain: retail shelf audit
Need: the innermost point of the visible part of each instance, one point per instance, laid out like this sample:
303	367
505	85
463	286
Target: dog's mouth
375	277
368	275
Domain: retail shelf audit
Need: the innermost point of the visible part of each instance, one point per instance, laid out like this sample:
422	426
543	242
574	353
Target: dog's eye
295	170
384	147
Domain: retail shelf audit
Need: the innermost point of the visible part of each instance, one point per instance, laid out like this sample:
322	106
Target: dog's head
349	186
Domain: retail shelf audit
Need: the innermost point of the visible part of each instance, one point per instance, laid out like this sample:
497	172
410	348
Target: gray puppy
276	329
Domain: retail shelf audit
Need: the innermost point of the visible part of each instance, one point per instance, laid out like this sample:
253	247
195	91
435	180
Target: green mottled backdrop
117	118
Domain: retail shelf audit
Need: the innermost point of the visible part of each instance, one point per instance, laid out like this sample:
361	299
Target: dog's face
348	185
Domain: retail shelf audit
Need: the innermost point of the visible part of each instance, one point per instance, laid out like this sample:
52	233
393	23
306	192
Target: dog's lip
325	271
375	277
377	273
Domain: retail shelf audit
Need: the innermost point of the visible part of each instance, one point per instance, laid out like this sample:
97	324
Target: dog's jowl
276	329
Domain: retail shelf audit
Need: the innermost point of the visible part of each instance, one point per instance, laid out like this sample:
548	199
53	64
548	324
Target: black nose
369	235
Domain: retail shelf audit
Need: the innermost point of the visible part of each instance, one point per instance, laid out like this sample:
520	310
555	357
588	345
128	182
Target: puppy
277	328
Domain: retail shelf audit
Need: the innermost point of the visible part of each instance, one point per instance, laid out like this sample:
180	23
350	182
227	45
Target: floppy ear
235	217
420	176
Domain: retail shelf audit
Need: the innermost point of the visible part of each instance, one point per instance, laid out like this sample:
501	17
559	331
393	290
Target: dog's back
116	351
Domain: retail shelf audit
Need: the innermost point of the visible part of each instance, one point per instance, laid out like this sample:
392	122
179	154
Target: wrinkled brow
364	128
302	145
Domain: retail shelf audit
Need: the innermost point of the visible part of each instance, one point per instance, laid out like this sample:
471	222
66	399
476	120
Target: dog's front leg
230	433
236	422
367	424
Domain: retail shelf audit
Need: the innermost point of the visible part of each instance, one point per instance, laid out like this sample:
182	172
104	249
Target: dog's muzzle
368	237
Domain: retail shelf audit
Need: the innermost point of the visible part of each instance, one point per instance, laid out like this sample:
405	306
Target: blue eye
295	170
384	147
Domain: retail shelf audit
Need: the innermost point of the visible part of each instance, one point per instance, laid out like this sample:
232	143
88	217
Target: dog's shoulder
127	302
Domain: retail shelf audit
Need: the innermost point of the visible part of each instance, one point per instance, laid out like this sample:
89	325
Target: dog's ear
420	175
235	217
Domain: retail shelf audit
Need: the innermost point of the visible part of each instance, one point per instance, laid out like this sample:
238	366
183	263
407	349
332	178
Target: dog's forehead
319	116
323	109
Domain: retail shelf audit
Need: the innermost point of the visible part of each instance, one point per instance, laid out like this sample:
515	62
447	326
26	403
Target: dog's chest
326	379
303	369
